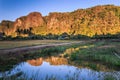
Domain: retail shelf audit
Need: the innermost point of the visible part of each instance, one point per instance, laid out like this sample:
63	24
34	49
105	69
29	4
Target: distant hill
97	20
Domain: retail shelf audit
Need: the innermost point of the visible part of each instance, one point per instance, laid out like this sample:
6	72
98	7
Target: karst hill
98	20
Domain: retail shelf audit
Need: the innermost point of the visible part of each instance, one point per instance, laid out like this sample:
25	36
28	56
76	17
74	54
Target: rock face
58	23
96	20
33	19
7	27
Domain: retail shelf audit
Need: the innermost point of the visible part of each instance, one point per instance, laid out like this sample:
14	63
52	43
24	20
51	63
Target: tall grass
97	54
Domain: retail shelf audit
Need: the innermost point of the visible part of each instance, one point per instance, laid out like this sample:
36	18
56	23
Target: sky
12	9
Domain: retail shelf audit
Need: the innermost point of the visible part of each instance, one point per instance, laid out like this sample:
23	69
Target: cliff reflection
69	51
52	60
35	62
56	60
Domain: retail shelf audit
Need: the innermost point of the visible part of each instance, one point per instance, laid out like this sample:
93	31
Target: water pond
55	68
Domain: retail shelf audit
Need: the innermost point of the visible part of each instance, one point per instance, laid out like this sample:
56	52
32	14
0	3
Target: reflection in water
36	62
43	69
72	50
56	60
69	51
52	60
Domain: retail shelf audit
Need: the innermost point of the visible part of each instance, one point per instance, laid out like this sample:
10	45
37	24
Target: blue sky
12	9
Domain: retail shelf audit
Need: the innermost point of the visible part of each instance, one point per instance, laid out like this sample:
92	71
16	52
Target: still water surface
57	68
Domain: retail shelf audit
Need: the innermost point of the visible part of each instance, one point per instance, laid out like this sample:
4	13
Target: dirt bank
32	48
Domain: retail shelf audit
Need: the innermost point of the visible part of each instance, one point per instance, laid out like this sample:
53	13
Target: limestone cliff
91	21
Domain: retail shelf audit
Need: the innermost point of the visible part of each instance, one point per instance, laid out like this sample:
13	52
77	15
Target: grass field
97	55
94	54
14	44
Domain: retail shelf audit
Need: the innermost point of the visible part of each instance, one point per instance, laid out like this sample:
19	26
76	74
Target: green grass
100	53
109	77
